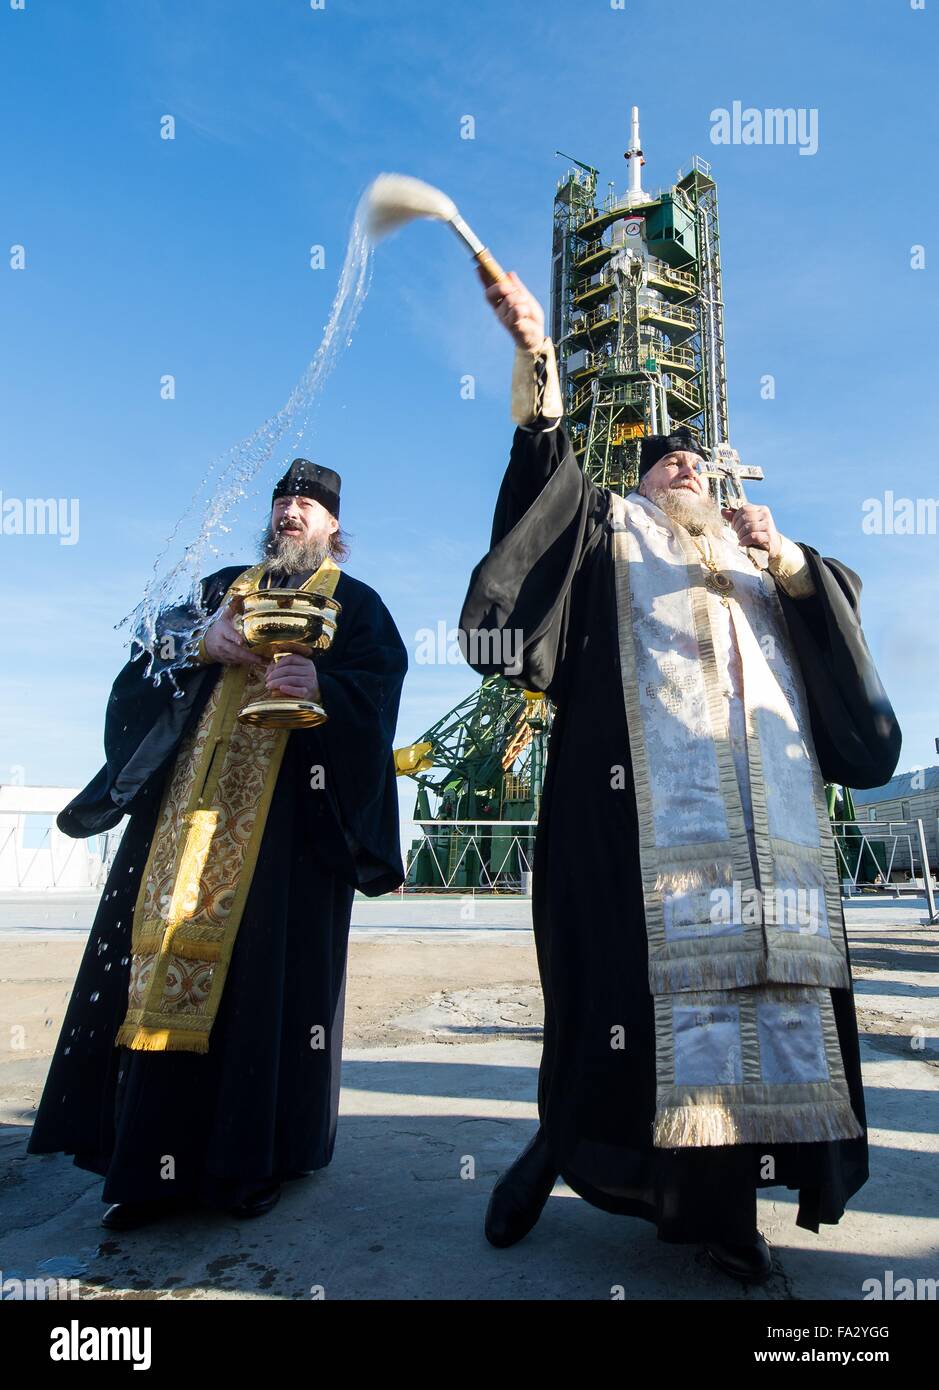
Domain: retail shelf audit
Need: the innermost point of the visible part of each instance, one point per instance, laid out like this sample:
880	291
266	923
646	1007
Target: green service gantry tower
637	317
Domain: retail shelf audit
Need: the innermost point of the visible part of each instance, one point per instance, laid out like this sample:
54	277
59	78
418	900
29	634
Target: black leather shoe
519	1196
259	1203
750	1263
127	1216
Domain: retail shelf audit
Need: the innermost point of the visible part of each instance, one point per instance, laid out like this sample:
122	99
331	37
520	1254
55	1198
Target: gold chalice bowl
274	622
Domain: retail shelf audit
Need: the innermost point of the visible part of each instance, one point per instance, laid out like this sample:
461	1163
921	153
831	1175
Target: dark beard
292	554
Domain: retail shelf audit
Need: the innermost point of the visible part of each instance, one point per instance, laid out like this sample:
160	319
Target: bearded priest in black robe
709	676
200	1055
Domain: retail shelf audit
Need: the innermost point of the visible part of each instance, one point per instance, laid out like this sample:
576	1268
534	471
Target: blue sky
190	257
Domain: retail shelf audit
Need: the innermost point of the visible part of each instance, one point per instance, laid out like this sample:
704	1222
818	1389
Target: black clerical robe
262	1103
549	577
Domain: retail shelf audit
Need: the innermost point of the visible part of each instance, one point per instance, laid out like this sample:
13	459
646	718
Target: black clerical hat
656	446
306	479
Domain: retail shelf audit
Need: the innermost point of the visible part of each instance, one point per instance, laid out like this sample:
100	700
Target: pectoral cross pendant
720	584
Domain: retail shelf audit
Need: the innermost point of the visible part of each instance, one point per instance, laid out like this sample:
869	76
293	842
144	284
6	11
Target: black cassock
261	1105
549	576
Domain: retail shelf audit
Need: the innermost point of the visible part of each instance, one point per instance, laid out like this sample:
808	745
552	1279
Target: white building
907	797
34	854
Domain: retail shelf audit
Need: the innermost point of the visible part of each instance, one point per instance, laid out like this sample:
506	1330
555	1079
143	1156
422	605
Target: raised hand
517	310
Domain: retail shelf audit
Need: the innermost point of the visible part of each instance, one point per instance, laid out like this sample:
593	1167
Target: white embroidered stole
740	961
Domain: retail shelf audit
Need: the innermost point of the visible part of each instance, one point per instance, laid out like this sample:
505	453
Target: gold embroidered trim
202	859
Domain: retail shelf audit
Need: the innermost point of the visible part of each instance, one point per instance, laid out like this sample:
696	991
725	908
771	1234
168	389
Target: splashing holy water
229	478
170	618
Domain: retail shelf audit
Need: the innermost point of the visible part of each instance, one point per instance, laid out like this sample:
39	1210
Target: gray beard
699	515
292	554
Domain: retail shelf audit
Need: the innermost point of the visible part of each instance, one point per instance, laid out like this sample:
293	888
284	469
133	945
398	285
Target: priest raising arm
709	676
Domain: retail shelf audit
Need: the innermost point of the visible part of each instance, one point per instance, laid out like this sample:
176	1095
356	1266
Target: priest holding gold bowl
200	1055
300	541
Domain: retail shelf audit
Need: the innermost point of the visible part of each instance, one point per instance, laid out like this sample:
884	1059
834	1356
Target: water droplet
233	471
95	997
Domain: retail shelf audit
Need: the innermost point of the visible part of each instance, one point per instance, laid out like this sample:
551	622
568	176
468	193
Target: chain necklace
715	579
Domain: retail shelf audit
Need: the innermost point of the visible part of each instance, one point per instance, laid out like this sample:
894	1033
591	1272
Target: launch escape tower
637	317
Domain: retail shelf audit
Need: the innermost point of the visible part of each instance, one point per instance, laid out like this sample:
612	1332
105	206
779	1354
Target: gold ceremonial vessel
274	622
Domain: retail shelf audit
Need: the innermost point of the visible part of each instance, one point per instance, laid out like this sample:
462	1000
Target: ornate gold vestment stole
202	859
743	948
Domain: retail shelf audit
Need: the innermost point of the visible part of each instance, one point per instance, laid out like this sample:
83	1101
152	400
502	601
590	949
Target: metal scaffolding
637	315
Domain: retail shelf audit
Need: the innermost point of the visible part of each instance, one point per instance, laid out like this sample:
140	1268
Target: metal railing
590	320
626	394
580	398
605	313
56	863
593	248
695	165
616	202
594	361
671	313
516	787
493	855
656	270
577	176
678	387
888	856
680	356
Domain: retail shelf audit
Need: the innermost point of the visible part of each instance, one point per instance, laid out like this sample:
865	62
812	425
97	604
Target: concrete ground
443	1029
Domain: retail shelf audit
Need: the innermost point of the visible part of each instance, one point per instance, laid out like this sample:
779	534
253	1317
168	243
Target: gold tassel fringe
161	1039
694	1126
